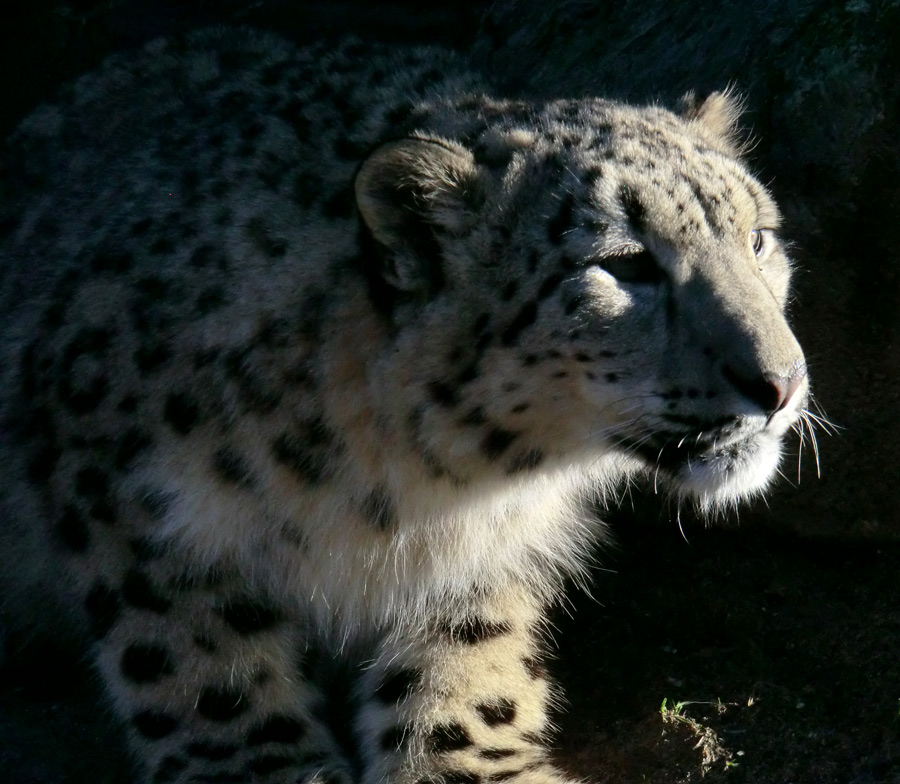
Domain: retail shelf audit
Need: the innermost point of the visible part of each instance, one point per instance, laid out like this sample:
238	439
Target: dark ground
780	655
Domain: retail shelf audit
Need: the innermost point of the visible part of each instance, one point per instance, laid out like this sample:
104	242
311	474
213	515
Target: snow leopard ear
719	114
409	193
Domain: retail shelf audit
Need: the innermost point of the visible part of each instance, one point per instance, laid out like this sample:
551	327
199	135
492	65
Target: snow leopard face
642	291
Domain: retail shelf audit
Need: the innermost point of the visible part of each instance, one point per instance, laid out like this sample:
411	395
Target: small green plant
711	747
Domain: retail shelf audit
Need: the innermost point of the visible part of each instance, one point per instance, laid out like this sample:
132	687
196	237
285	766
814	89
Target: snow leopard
315	363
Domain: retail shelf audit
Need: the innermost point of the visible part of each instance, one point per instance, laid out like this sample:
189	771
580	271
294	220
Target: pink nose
771	393
784	389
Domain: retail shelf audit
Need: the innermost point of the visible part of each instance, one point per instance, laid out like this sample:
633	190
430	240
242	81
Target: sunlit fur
328	356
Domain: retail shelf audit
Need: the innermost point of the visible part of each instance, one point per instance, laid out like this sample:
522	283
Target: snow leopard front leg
461	700
214	682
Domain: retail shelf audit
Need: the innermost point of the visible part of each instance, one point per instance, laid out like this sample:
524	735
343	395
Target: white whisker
680	528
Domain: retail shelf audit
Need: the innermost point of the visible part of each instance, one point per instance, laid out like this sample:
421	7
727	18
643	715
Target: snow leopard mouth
725	467
670	451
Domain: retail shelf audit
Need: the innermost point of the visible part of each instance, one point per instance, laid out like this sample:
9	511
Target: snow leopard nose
771	393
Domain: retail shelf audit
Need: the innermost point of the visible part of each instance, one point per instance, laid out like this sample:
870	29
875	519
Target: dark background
783	634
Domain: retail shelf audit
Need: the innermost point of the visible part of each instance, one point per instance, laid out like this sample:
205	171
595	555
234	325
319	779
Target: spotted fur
310	362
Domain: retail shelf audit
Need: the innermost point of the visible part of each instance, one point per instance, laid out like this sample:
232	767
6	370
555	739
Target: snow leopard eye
757	241
638	267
